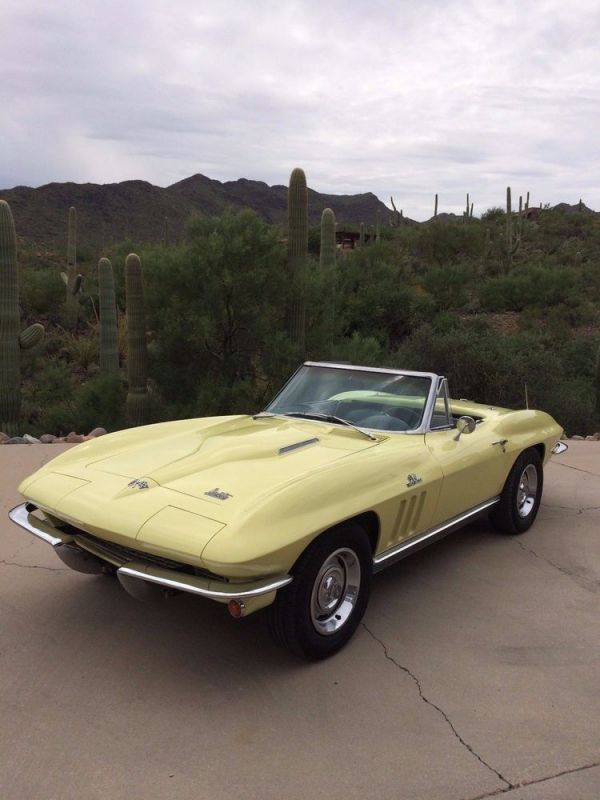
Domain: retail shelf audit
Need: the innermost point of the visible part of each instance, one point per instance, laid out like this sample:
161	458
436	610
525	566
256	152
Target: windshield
375	400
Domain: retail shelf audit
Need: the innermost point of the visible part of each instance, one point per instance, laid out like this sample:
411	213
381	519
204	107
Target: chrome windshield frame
434	380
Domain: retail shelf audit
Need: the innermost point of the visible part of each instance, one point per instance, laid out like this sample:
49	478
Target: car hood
229	465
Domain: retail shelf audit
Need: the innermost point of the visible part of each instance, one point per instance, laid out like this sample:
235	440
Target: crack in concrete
586	583
535	781
579	510
440	711
577	469
33	566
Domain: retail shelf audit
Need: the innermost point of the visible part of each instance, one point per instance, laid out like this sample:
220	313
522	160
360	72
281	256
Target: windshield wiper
330	418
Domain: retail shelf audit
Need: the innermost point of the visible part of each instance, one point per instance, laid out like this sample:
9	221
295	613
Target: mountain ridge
140	211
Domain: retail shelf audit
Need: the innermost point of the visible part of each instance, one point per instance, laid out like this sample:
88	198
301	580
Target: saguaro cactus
328	251
70	277
378	226
137	353
435	207
361	235
512	242
396	219
297	255
11	342
109	337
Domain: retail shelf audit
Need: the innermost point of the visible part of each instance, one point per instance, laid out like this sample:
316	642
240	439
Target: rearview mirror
464	425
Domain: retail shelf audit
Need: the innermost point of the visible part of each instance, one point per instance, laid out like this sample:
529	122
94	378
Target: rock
596	436
47	438
4	437
578	438
97	432
592	438
15	440
30	439
74	438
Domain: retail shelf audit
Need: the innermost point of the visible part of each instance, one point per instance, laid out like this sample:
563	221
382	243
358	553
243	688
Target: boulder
30	439
74	438
47	438
97	432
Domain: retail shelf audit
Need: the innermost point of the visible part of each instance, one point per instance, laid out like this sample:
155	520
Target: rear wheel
316	614
521	496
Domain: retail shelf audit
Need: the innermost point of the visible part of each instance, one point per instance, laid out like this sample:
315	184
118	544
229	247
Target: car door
474	465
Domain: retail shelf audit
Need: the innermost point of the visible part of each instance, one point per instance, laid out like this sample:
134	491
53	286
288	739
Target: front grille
130	554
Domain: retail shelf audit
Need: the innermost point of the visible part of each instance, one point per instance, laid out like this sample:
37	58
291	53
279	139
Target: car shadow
180	639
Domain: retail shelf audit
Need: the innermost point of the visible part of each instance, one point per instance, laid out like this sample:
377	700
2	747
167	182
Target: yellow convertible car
348	470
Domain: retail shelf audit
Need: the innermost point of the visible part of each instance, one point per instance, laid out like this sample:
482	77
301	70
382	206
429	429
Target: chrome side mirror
464	425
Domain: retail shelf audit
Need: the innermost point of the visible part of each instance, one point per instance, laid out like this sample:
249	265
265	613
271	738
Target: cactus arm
31	336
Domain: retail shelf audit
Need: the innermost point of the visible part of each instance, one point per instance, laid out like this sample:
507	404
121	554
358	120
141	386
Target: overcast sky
399	98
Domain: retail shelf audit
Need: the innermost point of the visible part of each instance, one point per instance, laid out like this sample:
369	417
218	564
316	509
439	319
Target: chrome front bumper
82	556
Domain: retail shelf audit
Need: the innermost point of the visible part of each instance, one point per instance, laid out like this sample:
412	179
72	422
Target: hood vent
290	447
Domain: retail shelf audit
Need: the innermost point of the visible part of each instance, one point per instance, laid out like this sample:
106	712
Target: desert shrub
450	286
375	301
55	403
214	304
531	286
447	243
495	368
41	292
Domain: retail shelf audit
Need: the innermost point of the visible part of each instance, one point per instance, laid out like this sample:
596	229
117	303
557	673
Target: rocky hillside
142	212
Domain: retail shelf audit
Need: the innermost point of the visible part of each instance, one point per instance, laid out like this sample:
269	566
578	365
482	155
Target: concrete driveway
476	673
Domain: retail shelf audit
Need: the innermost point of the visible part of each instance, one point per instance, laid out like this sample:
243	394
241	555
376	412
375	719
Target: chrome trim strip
21	515
335	365
559	447
163	578
289	447
415	543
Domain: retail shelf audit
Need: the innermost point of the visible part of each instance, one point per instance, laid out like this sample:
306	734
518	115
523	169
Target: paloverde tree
219	301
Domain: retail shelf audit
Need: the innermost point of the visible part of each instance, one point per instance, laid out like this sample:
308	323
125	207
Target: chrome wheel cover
335	591
527	491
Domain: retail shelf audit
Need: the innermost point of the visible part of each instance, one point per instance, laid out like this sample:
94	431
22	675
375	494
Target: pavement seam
585	583
440	711
32	566
535	781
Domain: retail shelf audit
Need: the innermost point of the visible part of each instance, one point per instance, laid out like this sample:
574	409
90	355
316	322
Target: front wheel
316	614
521	496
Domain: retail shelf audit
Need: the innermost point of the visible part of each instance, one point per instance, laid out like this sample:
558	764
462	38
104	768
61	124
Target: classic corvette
348	470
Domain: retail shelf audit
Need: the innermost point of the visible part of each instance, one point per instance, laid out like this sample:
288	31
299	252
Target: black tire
521	496
308	616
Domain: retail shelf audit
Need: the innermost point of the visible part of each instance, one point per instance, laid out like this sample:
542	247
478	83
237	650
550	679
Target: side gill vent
291	447
409	515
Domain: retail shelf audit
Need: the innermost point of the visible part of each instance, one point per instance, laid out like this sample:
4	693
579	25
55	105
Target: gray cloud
395	98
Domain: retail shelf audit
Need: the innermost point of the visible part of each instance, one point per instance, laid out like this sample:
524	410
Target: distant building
349	240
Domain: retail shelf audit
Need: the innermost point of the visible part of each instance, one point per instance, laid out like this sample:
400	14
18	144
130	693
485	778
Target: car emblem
413	479
138	484
218	494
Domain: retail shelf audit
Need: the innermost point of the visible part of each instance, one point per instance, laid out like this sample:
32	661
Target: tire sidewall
316	645
529	457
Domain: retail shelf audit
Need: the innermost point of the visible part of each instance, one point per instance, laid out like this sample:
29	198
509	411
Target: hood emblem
138	484
413	479
218	494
